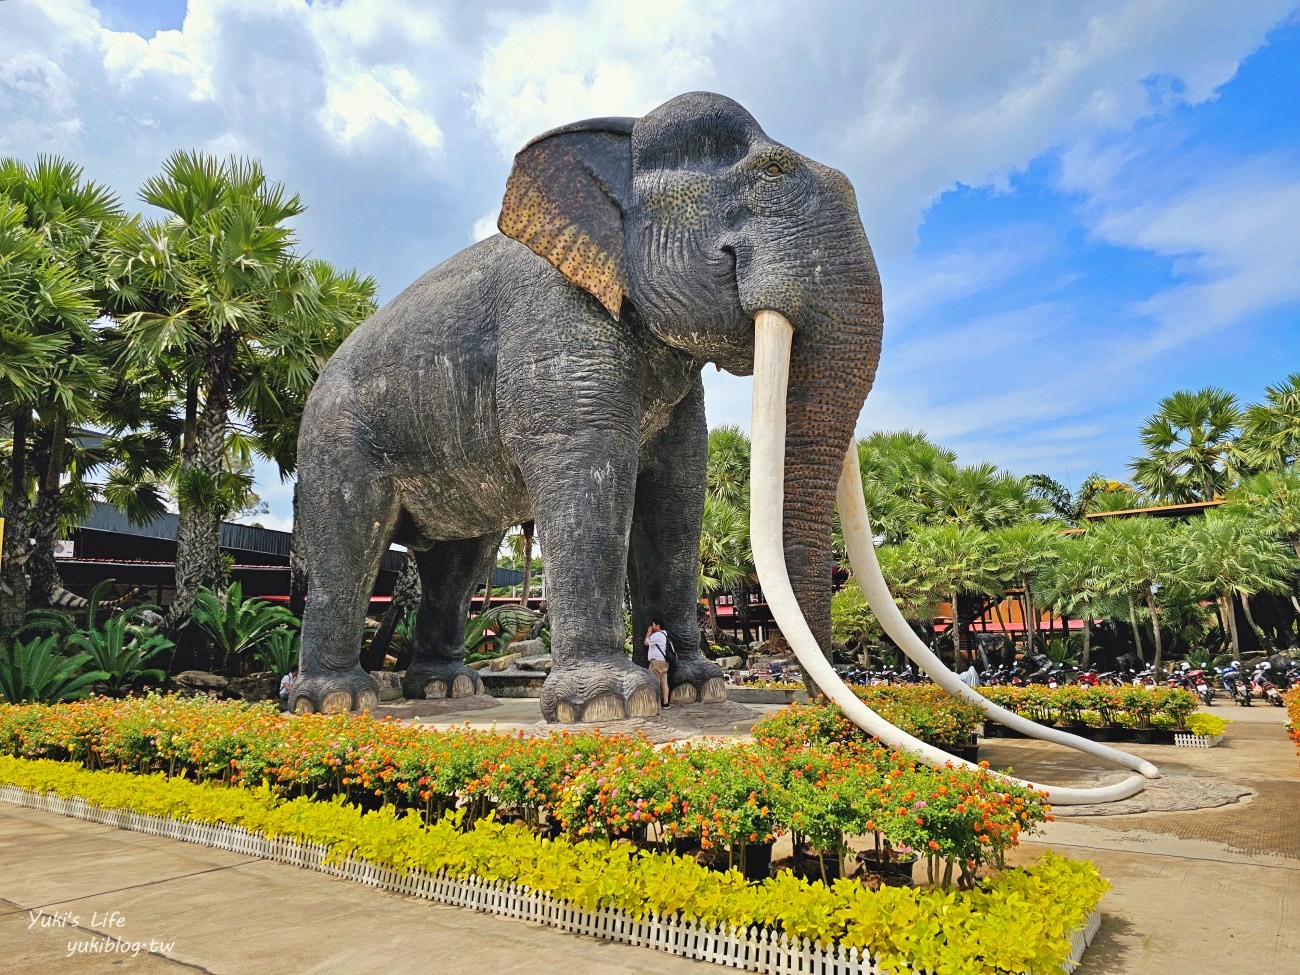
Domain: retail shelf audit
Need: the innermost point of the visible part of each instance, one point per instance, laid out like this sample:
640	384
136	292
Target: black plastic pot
756	861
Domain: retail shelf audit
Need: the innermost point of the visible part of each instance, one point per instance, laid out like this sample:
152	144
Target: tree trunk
1031	624
713	614
44	570
956	632
13	560
1087	642
297	568
198	532
1155	632
1230	611
527	528
1133	622
1250	618
406	593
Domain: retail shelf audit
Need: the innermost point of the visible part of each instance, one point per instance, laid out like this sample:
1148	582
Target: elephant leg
583	490
449	571
342	555
664	556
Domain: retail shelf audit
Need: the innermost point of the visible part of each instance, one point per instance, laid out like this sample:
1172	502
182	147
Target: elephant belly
463	502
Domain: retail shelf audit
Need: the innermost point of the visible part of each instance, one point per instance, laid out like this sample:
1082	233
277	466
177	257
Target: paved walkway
1196	892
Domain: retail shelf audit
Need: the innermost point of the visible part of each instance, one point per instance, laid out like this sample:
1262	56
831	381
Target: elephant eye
773	169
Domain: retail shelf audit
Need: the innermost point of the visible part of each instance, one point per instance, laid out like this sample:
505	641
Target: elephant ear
565	200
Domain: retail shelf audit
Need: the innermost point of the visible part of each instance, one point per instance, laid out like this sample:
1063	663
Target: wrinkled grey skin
495	390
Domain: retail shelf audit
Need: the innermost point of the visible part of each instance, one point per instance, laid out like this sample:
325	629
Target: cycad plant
120	648
238	626
35	671
279	652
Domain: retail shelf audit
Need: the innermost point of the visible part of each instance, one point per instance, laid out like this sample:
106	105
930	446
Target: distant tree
1227	554
1190	442
1270	431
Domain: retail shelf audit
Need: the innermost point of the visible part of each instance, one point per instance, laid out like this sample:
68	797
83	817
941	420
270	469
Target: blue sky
1077	207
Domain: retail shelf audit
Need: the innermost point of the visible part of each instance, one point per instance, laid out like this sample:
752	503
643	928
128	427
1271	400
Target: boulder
730	663
535	664
201	681
390	683
254	688
530	648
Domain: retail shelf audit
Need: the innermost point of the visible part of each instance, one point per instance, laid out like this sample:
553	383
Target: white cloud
603	57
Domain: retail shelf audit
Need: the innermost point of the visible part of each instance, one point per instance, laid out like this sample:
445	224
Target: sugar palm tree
1190	442
1136	558
219	296
1019	553
73	215
1270	431
955	559
1275	497
45	310
1227	554
1071	583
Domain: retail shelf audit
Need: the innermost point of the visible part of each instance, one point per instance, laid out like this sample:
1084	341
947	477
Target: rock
390	683
200	680
730	663
254	688
535	664
530	648
479	665
501	663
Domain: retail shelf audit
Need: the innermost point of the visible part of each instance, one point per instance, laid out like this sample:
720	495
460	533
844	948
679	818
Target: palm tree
727	482
1071	583
1135	560
725	557
1019	553
955	559
219	297
1190	443
45	311
1228	554
73	215
1270	431
1273	496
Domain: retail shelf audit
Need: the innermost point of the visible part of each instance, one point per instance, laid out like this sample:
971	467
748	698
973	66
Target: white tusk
772	339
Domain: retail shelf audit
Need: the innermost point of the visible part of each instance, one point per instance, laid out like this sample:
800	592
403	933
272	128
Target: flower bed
924	711
1292	700
1020	921
587	785
1113	709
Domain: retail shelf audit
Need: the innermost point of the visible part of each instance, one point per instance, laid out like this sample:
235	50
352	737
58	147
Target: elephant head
696	226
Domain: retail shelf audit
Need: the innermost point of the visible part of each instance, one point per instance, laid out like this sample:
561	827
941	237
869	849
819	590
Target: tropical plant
1227	555
1136	559
235	625
218	298
1190	442
119	650
1270	431
1018	554
279	651
35	671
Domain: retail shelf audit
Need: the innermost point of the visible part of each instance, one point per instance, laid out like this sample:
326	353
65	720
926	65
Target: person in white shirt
656	641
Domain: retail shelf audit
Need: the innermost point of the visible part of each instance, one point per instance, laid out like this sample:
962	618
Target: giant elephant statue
553	372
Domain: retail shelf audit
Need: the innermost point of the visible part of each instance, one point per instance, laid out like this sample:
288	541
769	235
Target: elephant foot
607	689
697	681
445	678
334	692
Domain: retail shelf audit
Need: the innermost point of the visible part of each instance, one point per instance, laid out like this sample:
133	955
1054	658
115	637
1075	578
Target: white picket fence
754	949
1184	740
